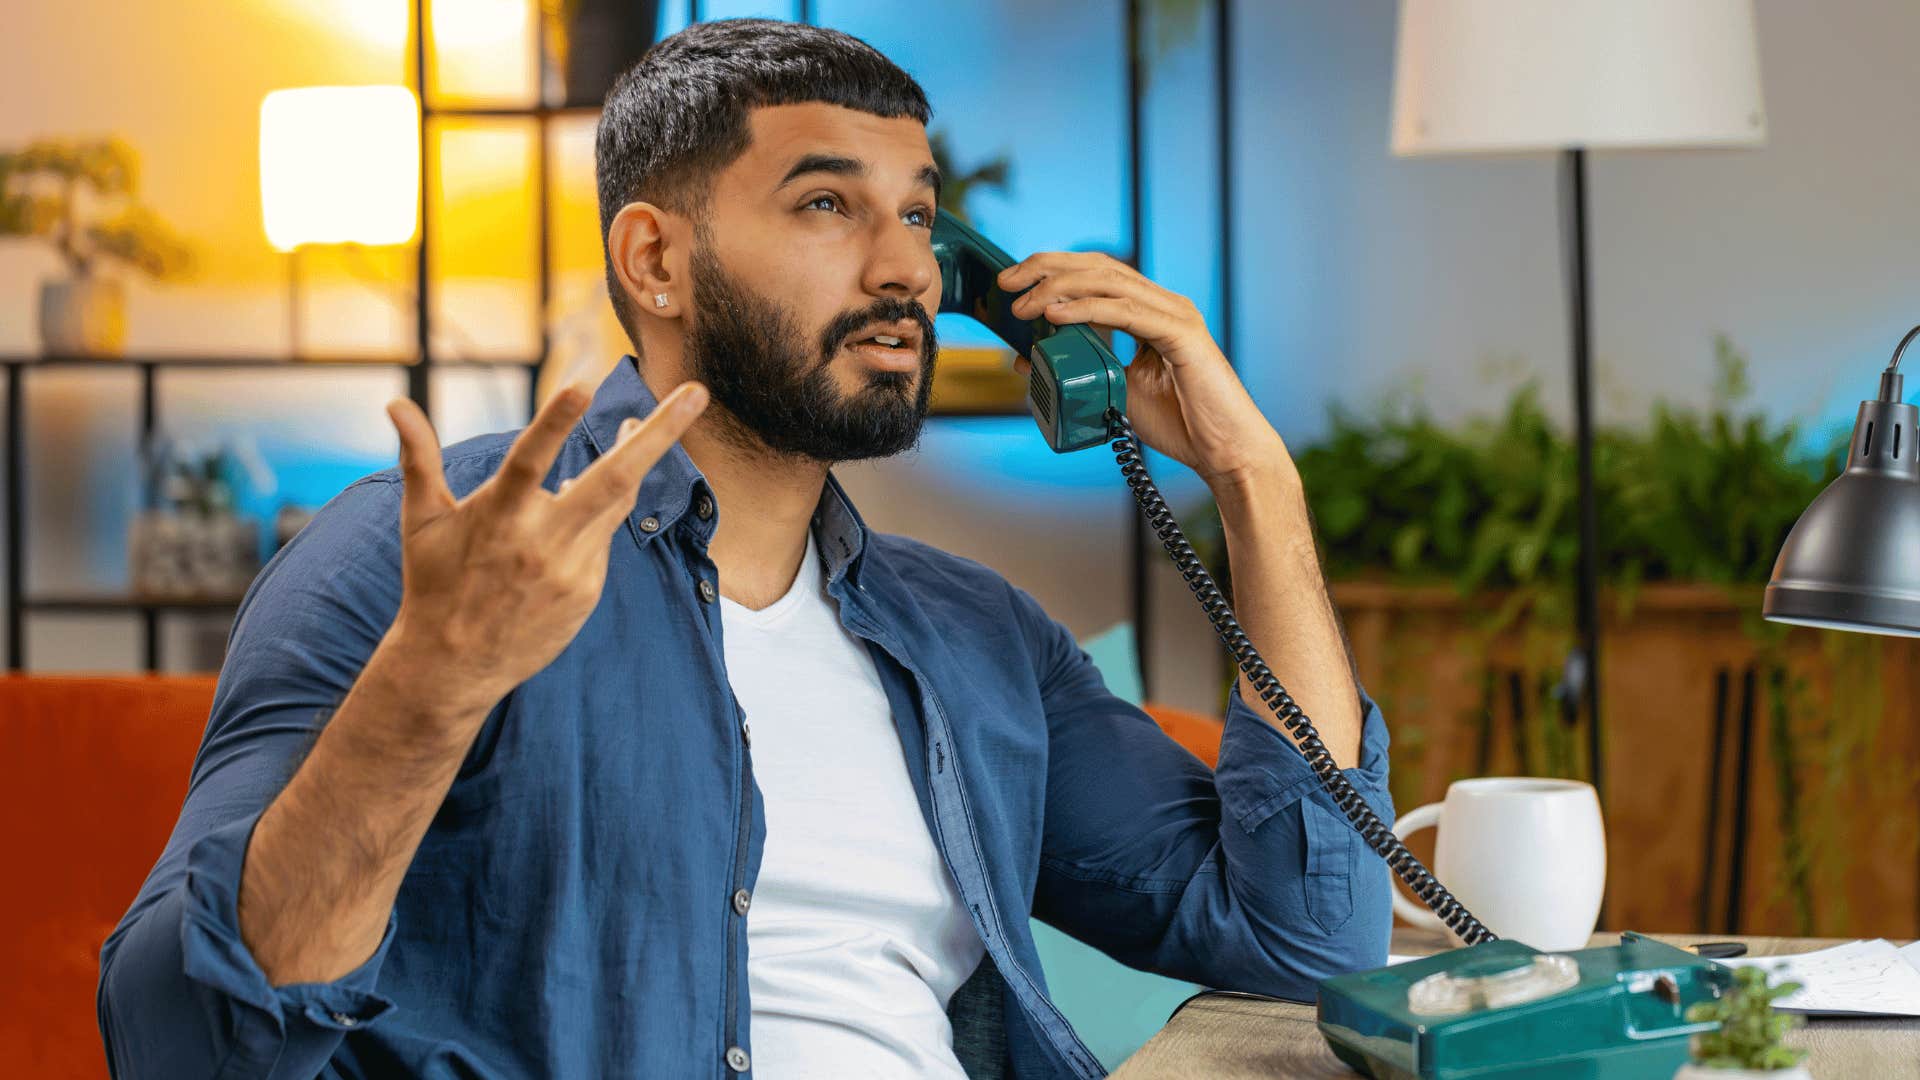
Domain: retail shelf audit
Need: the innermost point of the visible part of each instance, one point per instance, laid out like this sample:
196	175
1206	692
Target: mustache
885	309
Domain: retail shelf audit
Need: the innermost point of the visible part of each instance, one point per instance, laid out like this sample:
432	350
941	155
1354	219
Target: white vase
1691	1071
84	316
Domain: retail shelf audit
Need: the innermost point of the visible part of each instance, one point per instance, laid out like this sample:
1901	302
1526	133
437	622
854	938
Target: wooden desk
1216	1037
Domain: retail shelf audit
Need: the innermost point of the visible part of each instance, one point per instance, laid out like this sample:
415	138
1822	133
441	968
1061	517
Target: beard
776	390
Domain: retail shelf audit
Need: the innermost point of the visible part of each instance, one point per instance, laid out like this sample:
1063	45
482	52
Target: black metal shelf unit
418	368
20	601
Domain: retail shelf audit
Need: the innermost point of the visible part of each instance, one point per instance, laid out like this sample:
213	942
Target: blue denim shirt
571	911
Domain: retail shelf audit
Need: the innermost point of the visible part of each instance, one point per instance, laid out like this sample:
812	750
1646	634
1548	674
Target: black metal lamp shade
1852	561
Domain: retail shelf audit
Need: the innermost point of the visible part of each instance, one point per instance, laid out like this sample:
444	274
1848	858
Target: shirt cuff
216	957
1261	771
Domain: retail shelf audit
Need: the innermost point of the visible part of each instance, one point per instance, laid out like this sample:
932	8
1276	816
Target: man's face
817	241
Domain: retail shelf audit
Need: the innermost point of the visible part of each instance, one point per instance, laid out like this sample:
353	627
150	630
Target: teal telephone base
1508	1010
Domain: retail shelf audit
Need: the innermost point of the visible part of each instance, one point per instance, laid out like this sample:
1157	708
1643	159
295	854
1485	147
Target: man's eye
818	199
924	216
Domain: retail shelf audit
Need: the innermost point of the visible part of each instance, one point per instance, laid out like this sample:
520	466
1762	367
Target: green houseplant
1702	496
1752	1034
81	197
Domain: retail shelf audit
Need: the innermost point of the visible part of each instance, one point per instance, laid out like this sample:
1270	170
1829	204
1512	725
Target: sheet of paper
1859	978
1911	953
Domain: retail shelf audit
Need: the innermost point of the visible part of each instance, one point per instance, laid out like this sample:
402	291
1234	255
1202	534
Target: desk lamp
1852	561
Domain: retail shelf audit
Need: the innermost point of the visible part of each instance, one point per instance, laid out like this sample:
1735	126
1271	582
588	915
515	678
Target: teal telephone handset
1494	1009
1076	382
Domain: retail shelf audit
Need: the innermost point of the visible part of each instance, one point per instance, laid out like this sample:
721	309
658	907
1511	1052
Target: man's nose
901	264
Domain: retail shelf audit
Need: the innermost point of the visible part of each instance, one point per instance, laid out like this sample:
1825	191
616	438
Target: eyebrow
838	165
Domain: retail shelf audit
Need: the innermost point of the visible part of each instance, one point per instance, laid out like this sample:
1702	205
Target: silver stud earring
659	299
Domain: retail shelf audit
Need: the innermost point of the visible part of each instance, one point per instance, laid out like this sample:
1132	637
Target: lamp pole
1580	682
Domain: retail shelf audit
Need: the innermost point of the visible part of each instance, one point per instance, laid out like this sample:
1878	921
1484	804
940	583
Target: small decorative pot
1691	1071
83	317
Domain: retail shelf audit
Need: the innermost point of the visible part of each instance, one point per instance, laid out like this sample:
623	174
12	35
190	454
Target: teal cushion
1114	1008
1113	653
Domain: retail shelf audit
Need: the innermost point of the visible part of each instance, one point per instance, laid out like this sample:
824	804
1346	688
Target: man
590	752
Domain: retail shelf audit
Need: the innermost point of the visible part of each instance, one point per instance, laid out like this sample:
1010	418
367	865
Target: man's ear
649	259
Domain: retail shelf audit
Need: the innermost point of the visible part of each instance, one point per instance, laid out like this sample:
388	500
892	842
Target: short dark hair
678	116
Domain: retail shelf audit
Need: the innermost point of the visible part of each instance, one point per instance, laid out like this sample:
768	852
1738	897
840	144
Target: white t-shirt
856	937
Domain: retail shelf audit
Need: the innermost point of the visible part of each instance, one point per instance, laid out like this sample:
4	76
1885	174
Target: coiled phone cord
1374	831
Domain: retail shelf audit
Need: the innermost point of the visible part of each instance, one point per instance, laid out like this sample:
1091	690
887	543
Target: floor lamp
1520	76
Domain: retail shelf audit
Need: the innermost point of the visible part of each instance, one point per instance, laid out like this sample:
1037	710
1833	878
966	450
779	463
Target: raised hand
496	584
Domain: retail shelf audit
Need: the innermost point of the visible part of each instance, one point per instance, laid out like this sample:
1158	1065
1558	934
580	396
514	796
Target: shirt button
742	899
344	1020
649	524
704	507
737	1059
706	590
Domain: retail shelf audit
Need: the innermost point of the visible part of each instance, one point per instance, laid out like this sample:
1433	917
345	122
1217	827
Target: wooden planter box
1818	800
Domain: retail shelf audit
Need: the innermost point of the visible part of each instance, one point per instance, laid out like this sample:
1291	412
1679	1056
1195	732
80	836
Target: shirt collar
675	484
842	531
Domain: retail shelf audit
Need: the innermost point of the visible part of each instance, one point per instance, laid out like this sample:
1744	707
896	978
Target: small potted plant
80	197
1751	1039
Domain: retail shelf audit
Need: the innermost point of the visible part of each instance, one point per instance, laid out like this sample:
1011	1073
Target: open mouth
893	352
884	341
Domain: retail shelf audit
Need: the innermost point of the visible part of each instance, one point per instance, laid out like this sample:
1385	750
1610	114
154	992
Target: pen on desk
1721	950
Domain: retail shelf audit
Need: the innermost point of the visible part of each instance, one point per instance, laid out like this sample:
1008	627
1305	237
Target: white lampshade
339	165
1489	76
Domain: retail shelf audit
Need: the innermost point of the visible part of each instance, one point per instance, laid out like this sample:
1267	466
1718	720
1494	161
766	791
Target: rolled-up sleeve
1246	877
180	994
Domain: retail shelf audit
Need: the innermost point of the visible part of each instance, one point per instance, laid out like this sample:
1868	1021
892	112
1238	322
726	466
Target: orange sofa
94	769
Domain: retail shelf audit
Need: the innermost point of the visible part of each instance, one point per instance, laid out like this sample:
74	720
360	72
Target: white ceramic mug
1527	856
